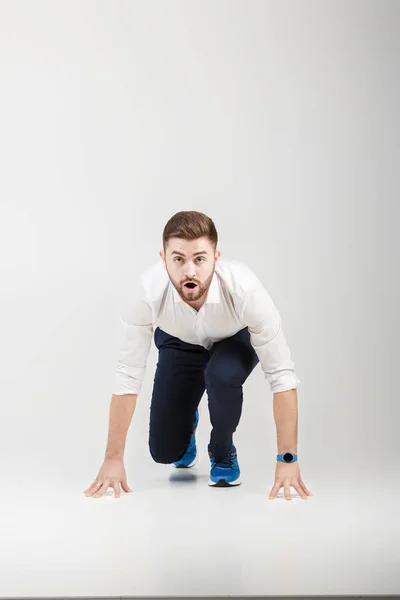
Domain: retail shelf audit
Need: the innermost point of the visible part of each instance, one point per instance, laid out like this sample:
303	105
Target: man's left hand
286	475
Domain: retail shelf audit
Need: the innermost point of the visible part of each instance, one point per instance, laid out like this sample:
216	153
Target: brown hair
190	225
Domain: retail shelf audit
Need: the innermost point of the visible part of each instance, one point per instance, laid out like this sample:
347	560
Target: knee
161	454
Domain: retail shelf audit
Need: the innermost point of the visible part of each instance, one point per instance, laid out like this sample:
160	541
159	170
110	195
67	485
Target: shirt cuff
283	383
128	384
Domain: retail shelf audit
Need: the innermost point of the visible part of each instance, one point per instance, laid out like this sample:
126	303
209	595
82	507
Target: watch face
288	457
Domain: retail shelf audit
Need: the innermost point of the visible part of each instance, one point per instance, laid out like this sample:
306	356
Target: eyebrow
195	254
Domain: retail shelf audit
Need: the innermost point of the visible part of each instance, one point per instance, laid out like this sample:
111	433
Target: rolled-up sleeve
263	320
135	346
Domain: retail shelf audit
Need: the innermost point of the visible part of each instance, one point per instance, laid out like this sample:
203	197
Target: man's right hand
111	474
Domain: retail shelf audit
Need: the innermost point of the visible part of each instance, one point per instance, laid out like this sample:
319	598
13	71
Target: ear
163	258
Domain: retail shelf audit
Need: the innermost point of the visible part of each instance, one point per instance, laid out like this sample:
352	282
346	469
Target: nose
190	273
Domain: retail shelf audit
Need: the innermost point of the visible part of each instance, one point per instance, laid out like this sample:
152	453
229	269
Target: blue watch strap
280	457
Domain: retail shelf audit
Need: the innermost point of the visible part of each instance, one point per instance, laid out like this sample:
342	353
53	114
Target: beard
197	293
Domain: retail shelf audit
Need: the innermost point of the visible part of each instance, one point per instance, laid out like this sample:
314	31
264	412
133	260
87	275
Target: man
213	321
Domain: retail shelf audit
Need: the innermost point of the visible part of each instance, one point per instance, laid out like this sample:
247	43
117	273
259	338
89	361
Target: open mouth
190	286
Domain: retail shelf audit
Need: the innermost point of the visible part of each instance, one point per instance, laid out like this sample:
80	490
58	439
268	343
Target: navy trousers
184	371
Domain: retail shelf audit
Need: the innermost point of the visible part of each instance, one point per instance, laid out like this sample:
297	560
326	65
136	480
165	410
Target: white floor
175	535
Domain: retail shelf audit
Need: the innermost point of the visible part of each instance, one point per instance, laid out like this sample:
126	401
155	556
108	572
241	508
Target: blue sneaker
189	459
226	472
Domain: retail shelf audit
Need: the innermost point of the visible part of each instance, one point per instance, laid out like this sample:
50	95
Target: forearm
286	420
120	415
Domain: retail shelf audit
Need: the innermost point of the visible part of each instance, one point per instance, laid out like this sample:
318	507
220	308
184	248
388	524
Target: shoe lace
226	462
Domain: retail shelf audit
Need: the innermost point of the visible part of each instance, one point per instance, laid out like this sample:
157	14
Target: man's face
190	261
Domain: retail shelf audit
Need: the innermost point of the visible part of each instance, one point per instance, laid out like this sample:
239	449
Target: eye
179	258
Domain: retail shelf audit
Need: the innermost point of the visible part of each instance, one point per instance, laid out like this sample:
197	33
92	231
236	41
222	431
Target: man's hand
286	475
111	474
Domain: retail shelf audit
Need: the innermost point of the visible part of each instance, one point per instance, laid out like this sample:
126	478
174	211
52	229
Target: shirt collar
213	295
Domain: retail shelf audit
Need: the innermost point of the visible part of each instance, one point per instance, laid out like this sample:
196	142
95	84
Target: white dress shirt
236	299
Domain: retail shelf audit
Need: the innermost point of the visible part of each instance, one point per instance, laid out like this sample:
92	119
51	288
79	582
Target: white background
280	121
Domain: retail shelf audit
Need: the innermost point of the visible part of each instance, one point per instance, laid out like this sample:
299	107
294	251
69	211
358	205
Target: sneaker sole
224	483
192	464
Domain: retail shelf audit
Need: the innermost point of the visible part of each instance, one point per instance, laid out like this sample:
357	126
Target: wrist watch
287	457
